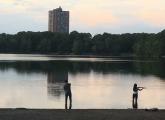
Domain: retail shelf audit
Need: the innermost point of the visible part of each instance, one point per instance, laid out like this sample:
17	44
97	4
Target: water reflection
55	82
140	68
90	81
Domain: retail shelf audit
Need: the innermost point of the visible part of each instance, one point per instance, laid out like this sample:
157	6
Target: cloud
92	13
154	18
152	12
13	23
93	18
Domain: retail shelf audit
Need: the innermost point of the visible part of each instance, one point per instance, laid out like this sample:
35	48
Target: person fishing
68	93
135	95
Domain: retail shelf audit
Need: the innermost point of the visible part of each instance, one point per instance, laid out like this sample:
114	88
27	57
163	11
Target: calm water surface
36	81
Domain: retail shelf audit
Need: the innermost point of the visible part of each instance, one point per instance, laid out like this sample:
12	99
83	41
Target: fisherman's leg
66	101
133	101
70	99
136	98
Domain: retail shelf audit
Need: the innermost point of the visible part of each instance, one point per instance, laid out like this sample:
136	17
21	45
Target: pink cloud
93	17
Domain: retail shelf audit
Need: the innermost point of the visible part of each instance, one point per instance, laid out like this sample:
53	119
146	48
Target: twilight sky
94	16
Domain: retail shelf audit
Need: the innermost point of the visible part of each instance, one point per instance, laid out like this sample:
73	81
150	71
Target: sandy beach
80	114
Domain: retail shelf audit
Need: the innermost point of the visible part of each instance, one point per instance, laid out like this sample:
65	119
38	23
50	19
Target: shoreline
80	114
86	56
83	56
68	55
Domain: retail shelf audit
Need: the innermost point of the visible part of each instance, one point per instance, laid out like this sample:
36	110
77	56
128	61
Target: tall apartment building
58	20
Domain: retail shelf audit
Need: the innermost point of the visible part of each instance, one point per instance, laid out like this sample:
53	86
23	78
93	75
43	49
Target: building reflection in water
55	83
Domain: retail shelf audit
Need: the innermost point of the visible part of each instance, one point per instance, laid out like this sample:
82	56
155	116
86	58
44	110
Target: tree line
136	44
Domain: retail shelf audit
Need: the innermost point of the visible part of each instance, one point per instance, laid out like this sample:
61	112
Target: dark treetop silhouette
136	44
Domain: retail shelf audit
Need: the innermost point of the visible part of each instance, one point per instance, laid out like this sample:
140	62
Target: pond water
36	81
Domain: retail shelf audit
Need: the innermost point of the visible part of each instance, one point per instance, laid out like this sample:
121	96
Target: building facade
58	21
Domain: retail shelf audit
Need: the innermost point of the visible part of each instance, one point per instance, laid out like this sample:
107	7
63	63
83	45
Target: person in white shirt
135	95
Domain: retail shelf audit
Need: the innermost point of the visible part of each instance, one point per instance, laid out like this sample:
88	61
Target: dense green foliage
137	44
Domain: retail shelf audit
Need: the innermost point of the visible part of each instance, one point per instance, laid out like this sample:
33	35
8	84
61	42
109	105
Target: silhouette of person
68	93
135	95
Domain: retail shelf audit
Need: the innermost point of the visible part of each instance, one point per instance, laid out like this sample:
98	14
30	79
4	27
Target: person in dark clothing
68	93
135	95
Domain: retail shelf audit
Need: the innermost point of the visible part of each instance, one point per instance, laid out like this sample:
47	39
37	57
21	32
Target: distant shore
87	56
80	114
70	55
84	56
